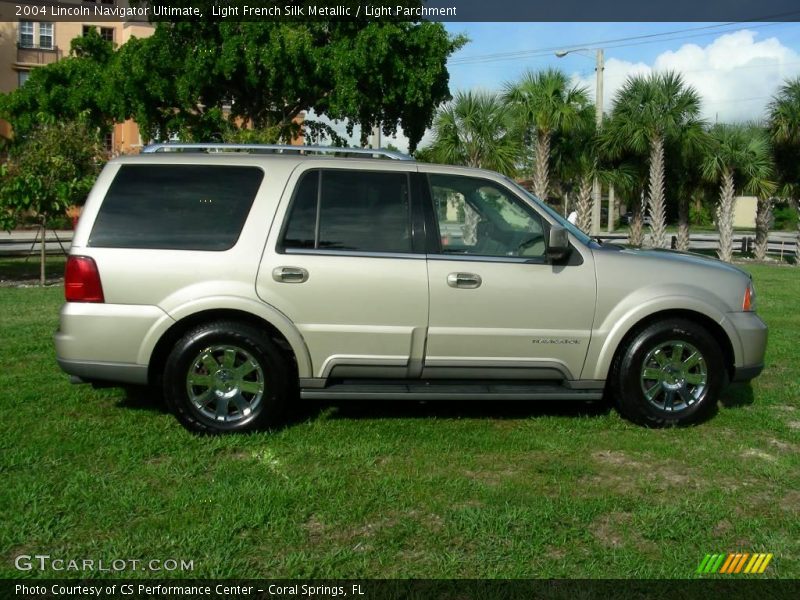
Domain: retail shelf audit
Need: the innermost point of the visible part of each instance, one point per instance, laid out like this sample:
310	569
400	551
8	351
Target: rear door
347	266
498	309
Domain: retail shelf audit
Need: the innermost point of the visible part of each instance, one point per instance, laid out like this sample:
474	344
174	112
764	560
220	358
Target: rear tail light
749	300
82	280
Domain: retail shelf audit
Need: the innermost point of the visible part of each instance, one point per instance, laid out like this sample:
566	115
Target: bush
785	216
701	215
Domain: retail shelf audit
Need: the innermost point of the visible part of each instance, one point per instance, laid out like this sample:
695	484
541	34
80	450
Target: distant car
627	218
239	282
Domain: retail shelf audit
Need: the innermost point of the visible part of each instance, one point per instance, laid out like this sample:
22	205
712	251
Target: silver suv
240	282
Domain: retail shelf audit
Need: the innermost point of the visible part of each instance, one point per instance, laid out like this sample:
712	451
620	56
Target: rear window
176	207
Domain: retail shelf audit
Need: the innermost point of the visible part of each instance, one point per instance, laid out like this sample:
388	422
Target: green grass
16	269
397	490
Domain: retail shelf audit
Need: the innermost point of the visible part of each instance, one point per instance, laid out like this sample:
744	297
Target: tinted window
358	211
476	216
182	207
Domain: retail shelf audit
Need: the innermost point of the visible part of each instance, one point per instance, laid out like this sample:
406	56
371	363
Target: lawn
397	489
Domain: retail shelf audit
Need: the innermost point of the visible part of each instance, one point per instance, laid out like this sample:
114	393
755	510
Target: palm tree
784	125
477	130
647	111
546	104
736	153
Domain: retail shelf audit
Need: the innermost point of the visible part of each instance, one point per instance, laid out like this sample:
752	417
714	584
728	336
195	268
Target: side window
176	207
362	211
478	217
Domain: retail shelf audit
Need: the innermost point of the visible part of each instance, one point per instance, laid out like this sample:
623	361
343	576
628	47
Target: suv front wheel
671	373
225	376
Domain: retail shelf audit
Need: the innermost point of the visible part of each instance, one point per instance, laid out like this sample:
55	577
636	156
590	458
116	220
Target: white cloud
736	75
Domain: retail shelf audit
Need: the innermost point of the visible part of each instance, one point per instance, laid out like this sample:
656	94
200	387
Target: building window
46	35
108	142
26	34
28	31
107	33
22	77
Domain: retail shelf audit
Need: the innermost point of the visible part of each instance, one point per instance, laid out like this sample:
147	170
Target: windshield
557	217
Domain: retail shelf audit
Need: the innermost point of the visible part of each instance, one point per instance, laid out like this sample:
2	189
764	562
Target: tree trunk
657	210
43	229
725	217
763	217
541	165
683	223
637	226
584	205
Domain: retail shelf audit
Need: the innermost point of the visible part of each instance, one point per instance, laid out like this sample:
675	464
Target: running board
448	391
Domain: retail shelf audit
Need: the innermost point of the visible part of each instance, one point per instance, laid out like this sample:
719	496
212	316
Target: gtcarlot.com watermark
45	562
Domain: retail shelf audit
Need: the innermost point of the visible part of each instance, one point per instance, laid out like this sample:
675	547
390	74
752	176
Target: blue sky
736	68
491	38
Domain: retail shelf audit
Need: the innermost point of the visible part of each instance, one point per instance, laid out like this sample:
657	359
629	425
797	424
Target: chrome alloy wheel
674	376
225	383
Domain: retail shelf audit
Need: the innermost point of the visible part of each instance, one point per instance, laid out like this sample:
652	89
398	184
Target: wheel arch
715	329
296	358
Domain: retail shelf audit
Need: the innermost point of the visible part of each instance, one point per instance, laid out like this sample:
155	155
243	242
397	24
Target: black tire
234	408
639	367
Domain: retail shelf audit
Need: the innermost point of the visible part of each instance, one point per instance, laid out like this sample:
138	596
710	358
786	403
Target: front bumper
752	333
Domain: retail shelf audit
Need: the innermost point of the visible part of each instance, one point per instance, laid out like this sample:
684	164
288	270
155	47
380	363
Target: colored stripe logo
734	563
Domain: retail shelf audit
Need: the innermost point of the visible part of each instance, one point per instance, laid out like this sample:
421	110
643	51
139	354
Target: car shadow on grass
444	409
737	395
142	398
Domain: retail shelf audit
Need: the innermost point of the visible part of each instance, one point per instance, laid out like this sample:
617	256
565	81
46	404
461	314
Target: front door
497	307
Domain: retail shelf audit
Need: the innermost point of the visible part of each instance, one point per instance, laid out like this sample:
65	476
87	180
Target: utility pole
597	189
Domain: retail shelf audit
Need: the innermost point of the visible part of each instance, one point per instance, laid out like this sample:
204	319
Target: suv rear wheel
671	373
226	376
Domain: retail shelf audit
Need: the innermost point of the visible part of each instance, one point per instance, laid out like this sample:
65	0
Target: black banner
405	10
737	588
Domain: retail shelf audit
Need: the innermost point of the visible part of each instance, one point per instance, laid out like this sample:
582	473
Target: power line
606	44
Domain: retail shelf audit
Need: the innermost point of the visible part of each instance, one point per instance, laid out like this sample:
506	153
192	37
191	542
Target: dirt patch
795	425
756	453
784	446
491	477
722	528
621	474
614	530
791	502
358	536
616	458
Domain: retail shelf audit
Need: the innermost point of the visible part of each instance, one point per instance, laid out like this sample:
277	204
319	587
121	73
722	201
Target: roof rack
276	149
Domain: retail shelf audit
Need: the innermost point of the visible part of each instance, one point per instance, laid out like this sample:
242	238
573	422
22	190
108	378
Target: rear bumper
89	371
102	342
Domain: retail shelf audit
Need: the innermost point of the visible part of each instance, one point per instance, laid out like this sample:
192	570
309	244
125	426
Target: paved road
22	242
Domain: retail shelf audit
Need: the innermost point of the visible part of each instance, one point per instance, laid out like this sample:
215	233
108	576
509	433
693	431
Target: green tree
75	88
737	155
476	129
200	79
647	111
784	126
54	166
546	104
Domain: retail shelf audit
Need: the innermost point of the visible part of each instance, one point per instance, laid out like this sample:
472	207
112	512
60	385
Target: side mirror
557	244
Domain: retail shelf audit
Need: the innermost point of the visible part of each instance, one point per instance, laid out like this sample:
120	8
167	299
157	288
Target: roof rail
276	149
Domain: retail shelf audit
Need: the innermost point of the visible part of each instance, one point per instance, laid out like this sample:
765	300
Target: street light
597	198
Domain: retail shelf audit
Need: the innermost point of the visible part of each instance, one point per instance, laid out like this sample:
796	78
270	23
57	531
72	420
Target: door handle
468	281
289	274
